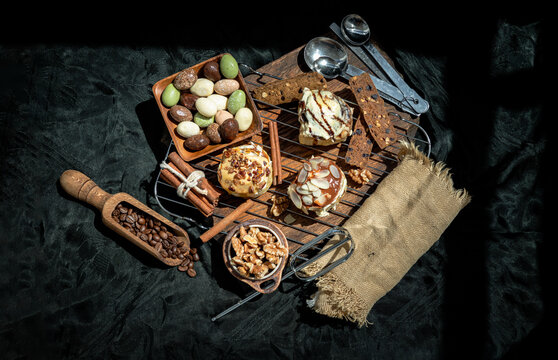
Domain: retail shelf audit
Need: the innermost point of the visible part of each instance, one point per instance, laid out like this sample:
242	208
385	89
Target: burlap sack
395	226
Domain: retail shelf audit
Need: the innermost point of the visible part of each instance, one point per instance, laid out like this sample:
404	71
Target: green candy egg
170	96
203	121
228	66
237	100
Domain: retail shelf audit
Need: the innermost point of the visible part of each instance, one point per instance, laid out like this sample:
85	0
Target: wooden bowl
272	277
187	155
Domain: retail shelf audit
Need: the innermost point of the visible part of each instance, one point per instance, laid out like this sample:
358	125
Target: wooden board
306	227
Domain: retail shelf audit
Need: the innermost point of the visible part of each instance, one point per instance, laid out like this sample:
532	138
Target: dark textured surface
71	289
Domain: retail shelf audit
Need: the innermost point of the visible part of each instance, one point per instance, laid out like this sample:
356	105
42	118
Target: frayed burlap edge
439	169
342	302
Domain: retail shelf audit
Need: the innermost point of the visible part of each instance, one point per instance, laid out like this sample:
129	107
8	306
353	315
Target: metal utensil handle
411	96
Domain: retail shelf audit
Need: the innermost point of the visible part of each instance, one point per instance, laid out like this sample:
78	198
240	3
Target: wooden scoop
83	188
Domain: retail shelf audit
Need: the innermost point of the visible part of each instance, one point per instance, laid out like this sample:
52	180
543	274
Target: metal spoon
328	57
356	31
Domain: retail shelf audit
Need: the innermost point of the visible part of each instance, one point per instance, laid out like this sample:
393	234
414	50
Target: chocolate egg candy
188	100
244	118
222	115
203	121
228	129
211	71
206	107
185	79
180	113
187	129
236	101
212	133
170	96
226	86
228	66
196	142
202	87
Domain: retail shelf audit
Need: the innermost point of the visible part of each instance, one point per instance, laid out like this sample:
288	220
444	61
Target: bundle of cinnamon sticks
275	153
205	203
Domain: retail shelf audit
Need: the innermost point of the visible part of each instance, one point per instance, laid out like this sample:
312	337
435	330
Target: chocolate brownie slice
373	109
288	90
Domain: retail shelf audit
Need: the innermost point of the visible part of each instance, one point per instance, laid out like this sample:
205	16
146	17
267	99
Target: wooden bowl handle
81	187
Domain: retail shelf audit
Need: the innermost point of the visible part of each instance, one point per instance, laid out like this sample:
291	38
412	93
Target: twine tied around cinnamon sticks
183	177
190	182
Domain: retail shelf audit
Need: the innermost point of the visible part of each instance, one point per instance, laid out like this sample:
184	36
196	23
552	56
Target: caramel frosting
324	118
245	171
318	187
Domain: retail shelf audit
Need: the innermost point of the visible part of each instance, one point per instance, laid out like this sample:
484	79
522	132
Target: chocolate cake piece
284	91
360	145
373	110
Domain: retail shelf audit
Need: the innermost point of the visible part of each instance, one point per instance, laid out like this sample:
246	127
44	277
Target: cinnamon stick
278	155
275	153
221	225
272	143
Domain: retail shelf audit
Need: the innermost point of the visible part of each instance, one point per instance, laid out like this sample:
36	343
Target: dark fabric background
79	97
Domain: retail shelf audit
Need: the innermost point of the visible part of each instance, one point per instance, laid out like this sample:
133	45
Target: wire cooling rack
306	244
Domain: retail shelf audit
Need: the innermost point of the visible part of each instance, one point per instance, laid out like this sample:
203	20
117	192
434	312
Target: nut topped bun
245	171
324	117
319	186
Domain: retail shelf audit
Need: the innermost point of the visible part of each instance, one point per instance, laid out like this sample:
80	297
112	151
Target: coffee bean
141	220
158	247
196	257
183	268
163	235
191	272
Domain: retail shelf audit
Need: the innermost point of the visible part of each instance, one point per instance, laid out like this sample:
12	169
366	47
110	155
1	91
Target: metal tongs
355	33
